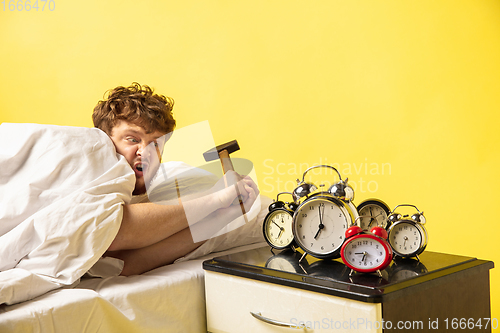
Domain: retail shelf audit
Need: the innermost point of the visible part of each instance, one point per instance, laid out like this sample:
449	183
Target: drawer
231	299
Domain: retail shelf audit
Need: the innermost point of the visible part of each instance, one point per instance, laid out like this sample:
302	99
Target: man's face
141	150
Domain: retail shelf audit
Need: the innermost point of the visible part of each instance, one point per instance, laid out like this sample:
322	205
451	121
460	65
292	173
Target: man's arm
148	223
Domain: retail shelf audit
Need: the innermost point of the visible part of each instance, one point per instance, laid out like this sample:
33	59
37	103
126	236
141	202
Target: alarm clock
322	216
366	252
374	213
277	225
407	235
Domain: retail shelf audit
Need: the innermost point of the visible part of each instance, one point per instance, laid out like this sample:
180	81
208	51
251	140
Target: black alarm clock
277	225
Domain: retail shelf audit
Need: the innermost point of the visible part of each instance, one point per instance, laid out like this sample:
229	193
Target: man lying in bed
66	200
152	235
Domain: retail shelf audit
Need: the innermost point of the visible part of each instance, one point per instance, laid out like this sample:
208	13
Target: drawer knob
259	316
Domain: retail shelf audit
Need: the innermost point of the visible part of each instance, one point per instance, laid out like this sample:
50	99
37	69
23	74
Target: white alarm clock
323	216
407	235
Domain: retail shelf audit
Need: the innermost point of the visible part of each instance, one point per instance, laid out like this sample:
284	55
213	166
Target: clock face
319	226
366	253
278	229
405	238
375	214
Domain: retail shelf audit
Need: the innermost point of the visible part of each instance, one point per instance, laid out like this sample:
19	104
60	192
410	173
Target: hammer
222	152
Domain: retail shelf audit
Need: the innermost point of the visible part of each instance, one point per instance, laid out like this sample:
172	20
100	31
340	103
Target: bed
167	299
53	277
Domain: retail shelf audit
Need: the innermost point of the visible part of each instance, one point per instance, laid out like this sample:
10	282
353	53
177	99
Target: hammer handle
227	165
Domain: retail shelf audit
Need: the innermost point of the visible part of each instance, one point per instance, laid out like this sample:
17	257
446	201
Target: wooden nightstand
258	291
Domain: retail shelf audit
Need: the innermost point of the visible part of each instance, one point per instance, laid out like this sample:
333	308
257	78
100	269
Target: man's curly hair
136	104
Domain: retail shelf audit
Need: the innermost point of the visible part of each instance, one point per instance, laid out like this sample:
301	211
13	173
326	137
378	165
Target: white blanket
62	190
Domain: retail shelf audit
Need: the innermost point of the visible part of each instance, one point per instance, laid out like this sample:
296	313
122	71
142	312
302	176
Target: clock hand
373	218
321	225
281	228
364	253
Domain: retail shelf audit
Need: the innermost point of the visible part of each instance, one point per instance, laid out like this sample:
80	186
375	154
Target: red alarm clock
366	252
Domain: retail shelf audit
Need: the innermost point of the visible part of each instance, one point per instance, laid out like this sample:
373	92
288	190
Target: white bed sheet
168	299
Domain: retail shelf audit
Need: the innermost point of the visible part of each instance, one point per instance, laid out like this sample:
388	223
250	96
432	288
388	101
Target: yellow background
402	95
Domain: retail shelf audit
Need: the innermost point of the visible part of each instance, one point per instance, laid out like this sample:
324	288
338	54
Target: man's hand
231	185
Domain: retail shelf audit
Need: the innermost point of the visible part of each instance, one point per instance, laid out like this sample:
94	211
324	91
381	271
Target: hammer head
213	154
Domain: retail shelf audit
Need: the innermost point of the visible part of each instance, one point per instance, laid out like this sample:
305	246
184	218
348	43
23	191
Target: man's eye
132	140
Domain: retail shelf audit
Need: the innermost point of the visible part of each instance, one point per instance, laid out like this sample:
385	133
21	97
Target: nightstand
262	291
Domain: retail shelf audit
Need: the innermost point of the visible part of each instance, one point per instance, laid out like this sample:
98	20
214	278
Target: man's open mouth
140	167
